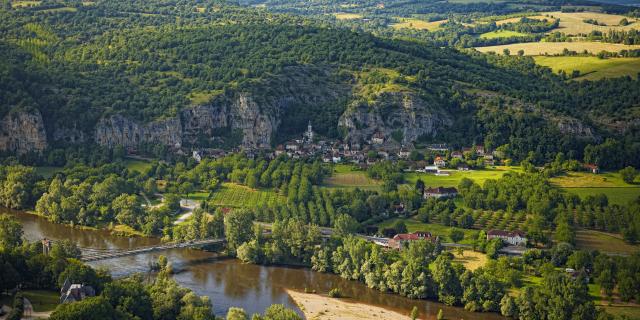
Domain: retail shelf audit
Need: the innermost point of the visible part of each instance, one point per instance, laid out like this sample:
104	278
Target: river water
228	282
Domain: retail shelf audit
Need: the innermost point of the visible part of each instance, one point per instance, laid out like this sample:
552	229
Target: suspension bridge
98	254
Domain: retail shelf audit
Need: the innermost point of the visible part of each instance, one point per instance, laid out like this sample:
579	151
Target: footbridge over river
97	254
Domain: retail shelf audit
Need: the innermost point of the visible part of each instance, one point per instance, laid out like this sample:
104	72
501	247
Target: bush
335	293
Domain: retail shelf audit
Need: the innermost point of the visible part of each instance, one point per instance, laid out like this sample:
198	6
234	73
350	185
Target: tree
10	233
127	208
399	226
508	307
236	314
506	52
345	224
414	313
97	308
279	312
456	235
628	174
238	225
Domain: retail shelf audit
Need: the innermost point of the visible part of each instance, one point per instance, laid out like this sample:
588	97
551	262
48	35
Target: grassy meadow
502	34
592	68
47	171
479	176
237	196
412	23
137	165
584	184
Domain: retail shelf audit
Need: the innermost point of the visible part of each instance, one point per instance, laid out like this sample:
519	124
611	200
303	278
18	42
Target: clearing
412	23
238	196
137	165
544	48
592	68
502	34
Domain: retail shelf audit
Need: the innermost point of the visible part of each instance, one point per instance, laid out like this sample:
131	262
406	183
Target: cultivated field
25	4
517	19
410	23
572	23
347	16
237	196
542	48
593	68
603	242
502	34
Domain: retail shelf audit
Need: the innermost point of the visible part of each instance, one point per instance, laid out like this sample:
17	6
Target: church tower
309	134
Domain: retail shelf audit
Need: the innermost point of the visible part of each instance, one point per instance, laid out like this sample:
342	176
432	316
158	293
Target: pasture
42	300
25	4
603	242
584	184
479	176
238	196
502	34
346	176
592	68
412	23
544	48
517	19
347	16
572	23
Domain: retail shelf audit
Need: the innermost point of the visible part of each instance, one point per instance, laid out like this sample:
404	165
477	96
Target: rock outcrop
22	132
390	114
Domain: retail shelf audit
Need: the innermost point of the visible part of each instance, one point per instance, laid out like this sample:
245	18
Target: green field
237	196
620	196
199	196
347	176
502	34
592	68
42	300
417	24
435	229
137	165
479	176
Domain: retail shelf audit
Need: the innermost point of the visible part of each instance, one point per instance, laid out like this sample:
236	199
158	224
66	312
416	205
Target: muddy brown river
228	282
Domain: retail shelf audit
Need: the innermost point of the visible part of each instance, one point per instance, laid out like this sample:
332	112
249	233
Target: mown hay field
592	68
502	34
572	23
542	48
347	16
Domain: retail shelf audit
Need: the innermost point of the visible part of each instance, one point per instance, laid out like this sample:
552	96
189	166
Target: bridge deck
96	256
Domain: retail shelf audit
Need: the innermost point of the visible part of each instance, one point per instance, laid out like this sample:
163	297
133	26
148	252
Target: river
229	282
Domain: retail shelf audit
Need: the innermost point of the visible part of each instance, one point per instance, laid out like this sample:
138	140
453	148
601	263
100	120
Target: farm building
402	239
440	192
516	238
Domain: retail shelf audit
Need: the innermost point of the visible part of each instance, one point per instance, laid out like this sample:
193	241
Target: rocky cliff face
256	122
22	132
393	112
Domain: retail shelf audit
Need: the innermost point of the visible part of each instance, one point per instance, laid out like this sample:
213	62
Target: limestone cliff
393	112
22	132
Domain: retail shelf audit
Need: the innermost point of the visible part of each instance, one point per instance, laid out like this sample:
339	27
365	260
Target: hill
152	74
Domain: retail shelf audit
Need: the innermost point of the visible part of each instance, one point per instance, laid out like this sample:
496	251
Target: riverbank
119	230
320	307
